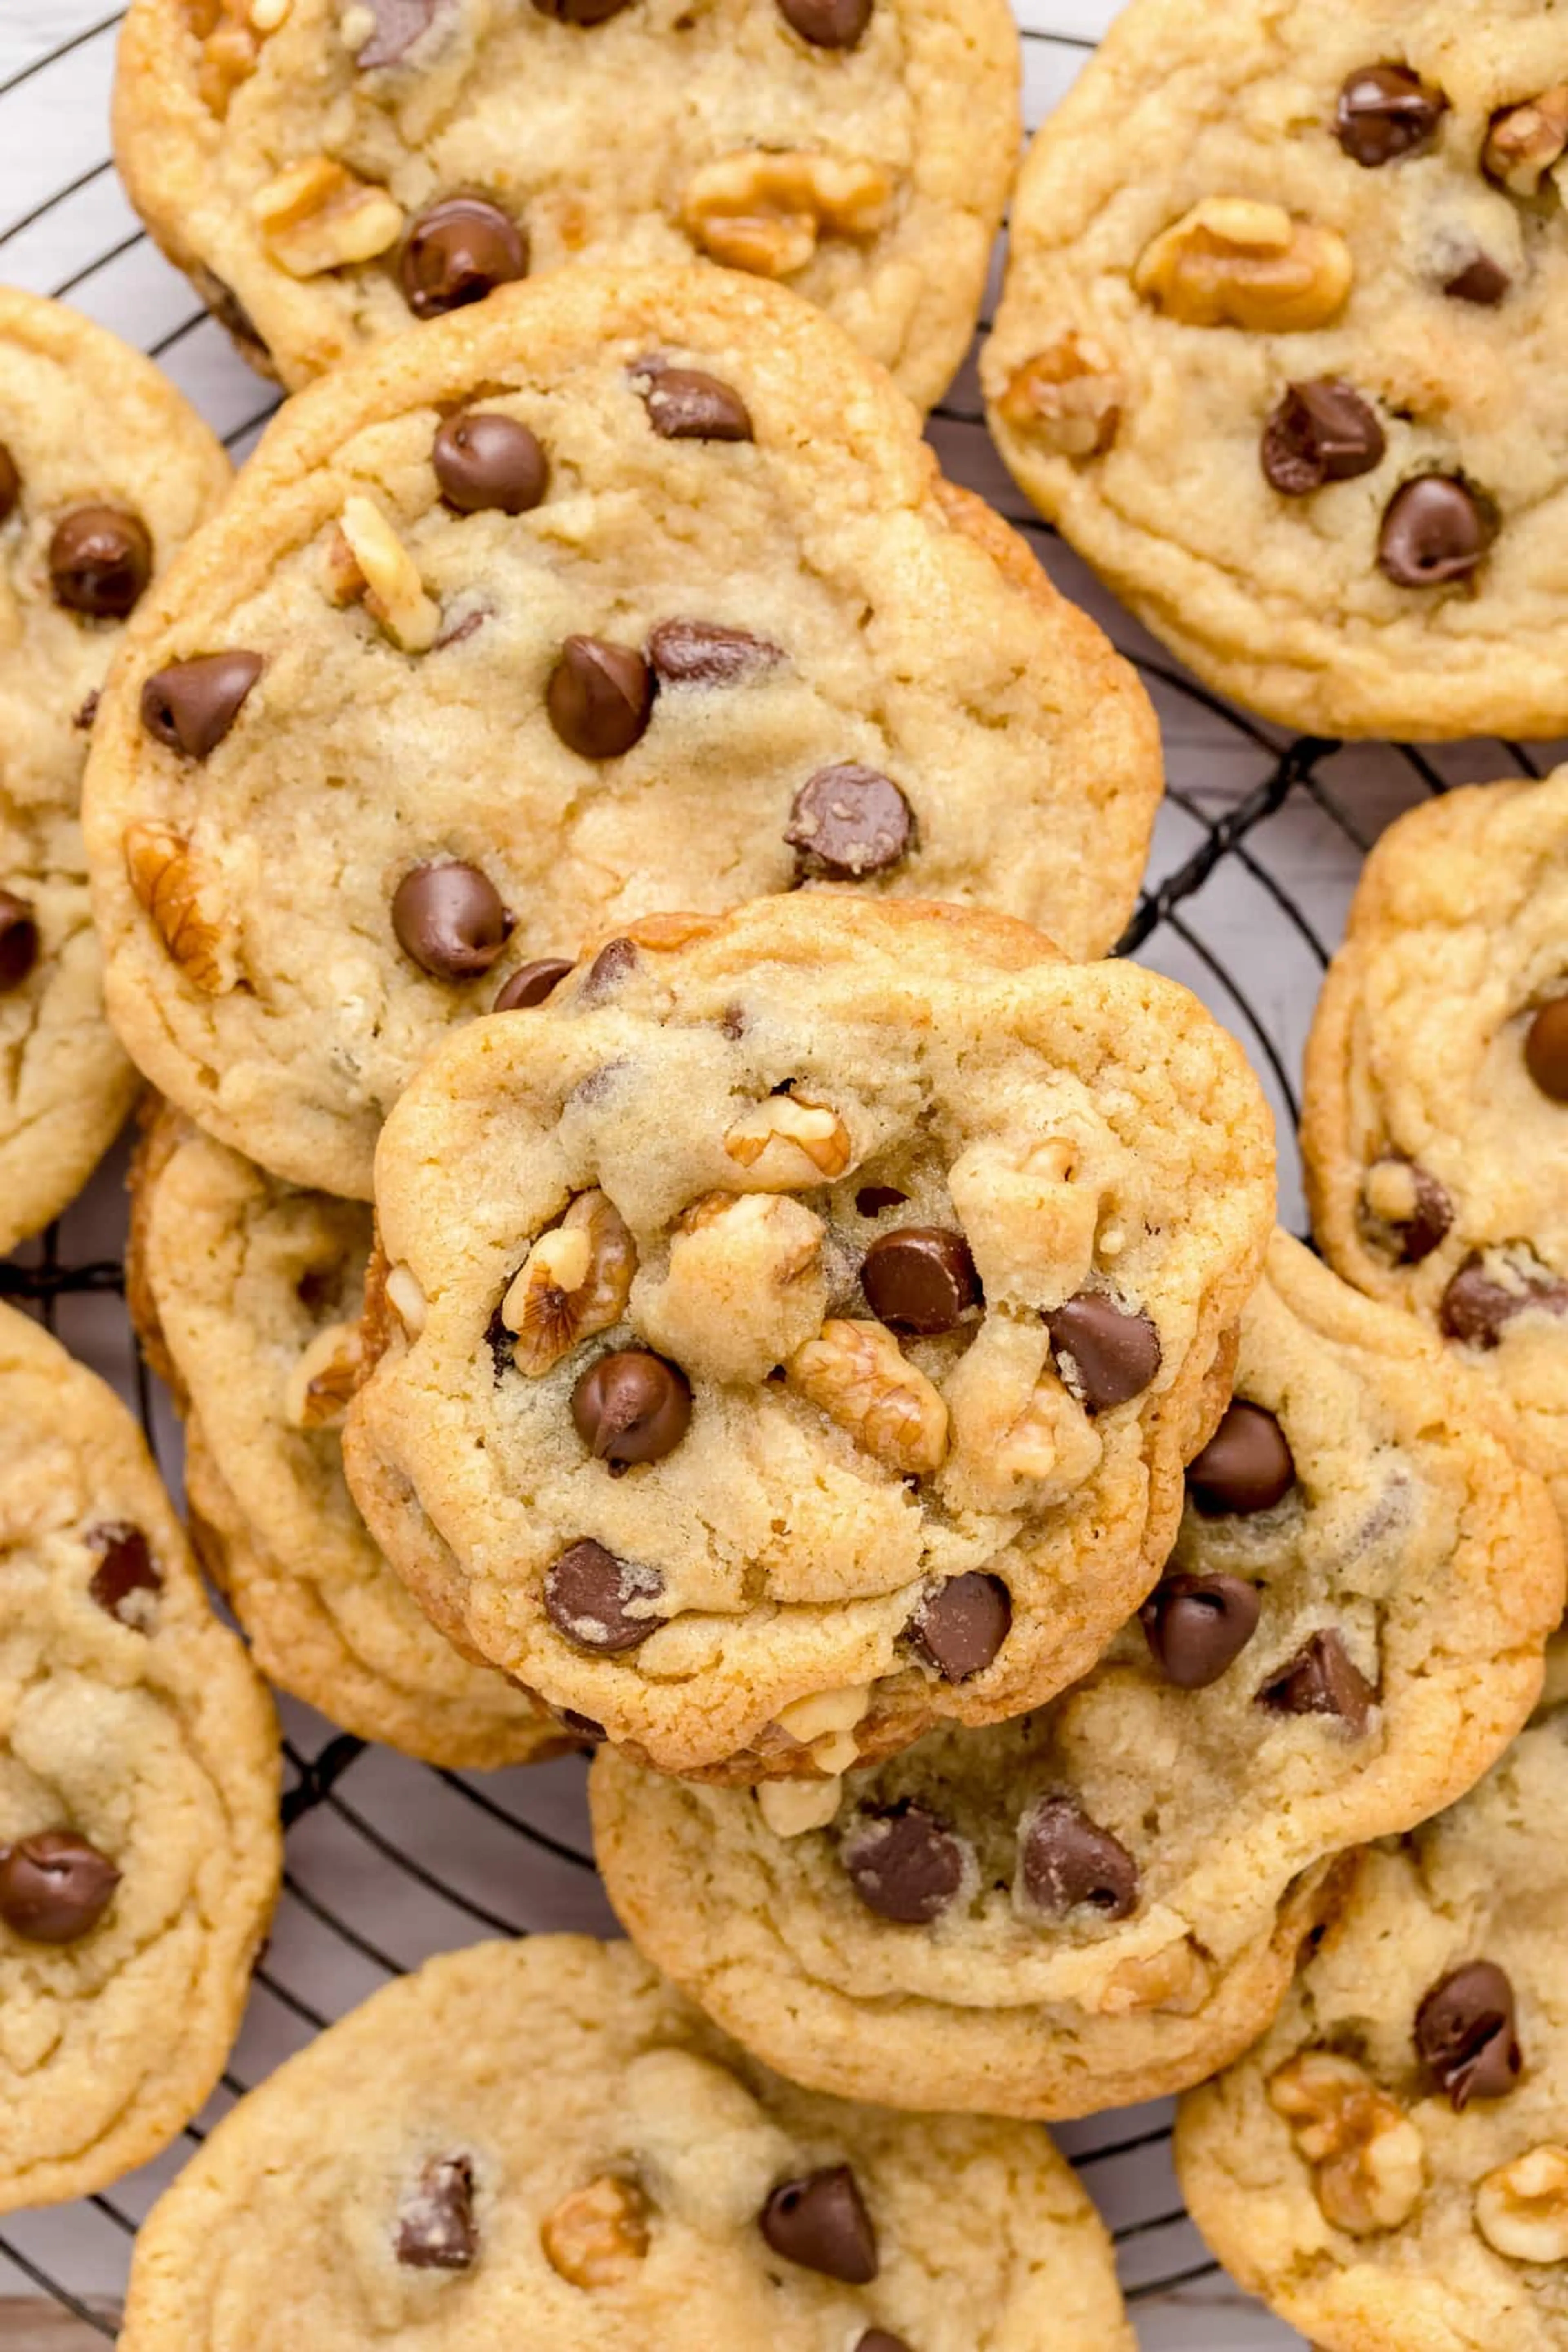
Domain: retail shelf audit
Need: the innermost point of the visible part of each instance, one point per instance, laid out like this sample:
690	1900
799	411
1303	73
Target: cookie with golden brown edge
794	1328
612	595
139	1844
329	174
1434	1126
1277	351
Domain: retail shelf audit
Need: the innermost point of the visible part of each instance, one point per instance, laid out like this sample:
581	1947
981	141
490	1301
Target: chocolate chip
701	652
599	698
584	1726
1414	1236
19	940
580	11
920	1279
10	484
485	462
1546	1049
904	1863
871	1200
531	984
848	820
877	2340
616	960
232	317
1105	1353
89	712
55	1887
590	1596
100	560
1246	1466
1464	2034
456	252
1477	1309
1435	530
828	24
450	919
1386	111
502	1343
1319	432
1322	1679
125	1569
1065	1860
1196	1626
436	2229
192	705
685	404
820	2221
631	1407
1483	281
960	1627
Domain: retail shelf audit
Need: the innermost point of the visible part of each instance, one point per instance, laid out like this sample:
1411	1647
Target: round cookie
1103	1901
246	1294
548	2129
1278	350
1389	2168
104	471
331	177
139	1844
794	1329
1435	1125
700	668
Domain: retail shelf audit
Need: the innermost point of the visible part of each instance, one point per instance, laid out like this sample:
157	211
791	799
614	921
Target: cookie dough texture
892	625
1474	2248
1407	1534
1434	1159
562	2074
131	1719
287	178
247	1293
85	422
1130	380
719	1119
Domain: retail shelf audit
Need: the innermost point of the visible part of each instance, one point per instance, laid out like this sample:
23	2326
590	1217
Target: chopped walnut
1030	1215
859	1377
599	2235
318	215
406	1299
1525	142
786	1141
1176	1982
1231	262
743	1288
1369	2167
323	1384
1068	398
765	212
576	1281
1014	1420
1522	2209
231	33
393	592
163	874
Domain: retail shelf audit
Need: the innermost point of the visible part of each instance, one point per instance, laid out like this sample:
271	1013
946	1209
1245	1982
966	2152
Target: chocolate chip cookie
612	595
103	472
1104	1900
1389	2166
548	2129
794	1328
330	174
1277	350
139	1845
1435	1122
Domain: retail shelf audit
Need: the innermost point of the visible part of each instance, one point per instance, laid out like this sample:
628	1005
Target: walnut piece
163	874
406	1299
1231	262
1176	1981
765	212
787	1140
1369	2167
323	1384
576	1281
1527	142
598	2235
1522	2209
231	33
859	1377
1066	399
319	216
393	592
743	1288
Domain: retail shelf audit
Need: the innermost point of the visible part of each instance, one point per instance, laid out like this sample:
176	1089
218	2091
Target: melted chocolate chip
1319	432
1065	1860
905	1863
702	653
1416	1235
1246	1466
1196	1626
100	560
828	24
920	1279
1546	1049
585	1725
849	821
502	1343
616	962
685	404
531	983
580	11
10	484
1435	530
125	1568
1483	281
820	2221
1383	113
871	1200
1105	1354
488	463
399	25
456	252
450	919
192	705
436	2229
1322	1679
600	1602
599	698
55	1887
1477	1308
19	940
1464	2034
877	2340
631	1407
960	1627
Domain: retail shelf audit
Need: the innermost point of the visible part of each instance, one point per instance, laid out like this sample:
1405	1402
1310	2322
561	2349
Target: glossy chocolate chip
849	821
599	698
631	1407
10	484
960	1627
828	24
457	252
532	983
1246	1466
1483	281
1107	1354
1546	1049
1464	2034
19	940
920	1279
686	404
192	705
820	2221
399	25
100	560
580	11
55	1887
616	962
1319	432
1196	1626
435	2228
1065	1860
873	1199
1435	530
702	653
904	1863
450	919
1431	1213
125	1568
1477	1309
601	1602
1383	113
488	463
1322	1679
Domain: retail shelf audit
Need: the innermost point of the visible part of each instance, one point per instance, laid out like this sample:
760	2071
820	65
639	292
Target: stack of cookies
668	1236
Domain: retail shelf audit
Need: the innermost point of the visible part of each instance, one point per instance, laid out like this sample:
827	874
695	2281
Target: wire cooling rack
1255	857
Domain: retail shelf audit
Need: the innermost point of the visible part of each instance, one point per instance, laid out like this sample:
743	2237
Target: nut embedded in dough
599	2235
1232	262
1369	2165
765	212
1068	398
163	874
577	1281
1522	2209
860	1378
318	215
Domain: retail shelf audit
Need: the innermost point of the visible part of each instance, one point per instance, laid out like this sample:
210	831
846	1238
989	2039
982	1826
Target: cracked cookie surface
794	1329
1293	390
139	1844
